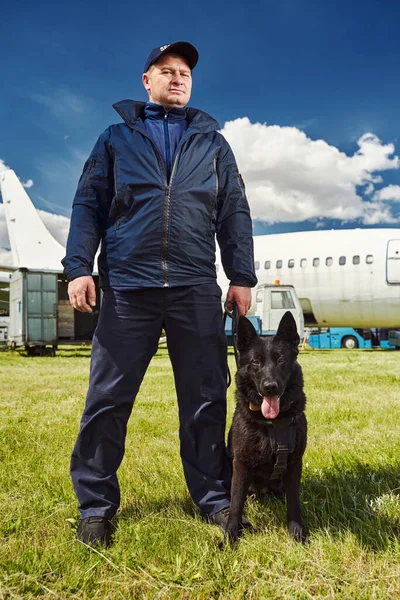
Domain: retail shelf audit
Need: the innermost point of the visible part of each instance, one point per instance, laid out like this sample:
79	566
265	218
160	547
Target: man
156	191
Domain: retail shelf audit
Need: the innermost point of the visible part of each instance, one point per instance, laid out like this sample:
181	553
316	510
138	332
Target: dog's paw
297	532
232	533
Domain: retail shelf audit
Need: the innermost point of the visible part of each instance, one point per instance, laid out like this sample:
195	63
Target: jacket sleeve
90	210
234	226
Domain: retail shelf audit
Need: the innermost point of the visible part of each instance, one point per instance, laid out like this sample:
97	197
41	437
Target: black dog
269	429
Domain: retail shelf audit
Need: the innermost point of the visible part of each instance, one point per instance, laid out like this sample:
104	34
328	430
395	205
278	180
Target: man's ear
246	334
146	81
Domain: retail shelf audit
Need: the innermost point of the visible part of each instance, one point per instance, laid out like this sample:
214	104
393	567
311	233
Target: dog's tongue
270	407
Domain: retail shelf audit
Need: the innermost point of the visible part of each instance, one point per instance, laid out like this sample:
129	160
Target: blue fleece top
165	127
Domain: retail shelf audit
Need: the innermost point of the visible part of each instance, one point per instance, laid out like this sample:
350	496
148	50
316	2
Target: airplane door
393	262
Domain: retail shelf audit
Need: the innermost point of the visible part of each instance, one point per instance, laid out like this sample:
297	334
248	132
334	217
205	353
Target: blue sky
329	70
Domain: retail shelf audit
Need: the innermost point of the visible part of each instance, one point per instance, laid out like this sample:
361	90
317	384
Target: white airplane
344	278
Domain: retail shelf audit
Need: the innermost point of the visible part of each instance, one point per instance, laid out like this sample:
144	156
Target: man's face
169	81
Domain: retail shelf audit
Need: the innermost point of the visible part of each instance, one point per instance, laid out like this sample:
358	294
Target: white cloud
27	184
58	225
291	178
390	192
3	166
60	102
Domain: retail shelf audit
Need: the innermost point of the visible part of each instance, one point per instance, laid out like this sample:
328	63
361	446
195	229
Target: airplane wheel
350	342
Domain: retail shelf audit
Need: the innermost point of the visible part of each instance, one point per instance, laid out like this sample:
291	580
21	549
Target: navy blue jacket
156	232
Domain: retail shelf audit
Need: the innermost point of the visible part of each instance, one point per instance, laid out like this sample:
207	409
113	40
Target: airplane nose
270	388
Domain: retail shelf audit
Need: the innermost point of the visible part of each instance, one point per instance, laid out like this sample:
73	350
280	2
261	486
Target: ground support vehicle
347	337
272	301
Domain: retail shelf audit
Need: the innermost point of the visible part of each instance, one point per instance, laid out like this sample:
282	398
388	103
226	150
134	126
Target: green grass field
161	549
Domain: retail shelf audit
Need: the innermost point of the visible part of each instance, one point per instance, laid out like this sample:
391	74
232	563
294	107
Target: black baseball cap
184	49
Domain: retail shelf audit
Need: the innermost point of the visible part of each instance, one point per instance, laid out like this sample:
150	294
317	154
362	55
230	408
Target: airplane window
329	261
290	263
315	262
257	265
369	259
356	259
279	264
303	262
267	264
342	260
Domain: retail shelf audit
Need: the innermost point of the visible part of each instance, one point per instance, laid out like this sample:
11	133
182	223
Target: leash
234	315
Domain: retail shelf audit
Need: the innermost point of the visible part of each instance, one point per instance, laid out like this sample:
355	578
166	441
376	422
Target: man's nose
177	79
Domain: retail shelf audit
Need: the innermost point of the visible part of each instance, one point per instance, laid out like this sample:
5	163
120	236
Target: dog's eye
256	362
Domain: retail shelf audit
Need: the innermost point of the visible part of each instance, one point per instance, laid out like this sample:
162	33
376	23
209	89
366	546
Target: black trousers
125	340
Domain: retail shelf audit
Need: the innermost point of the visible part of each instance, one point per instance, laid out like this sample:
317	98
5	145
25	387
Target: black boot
94	531
221	520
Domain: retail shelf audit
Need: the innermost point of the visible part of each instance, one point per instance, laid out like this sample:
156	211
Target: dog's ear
287	329
246	334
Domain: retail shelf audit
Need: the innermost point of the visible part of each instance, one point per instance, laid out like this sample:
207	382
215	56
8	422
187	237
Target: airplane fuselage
344	278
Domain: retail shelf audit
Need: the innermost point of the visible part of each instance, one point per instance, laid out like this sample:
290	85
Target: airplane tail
32	245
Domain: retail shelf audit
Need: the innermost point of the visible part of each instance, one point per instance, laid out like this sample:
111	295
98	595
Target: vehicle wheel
350	342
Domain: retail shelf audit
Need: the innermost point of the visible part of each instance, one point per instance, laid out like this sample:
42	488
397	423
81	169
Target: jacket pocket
241	184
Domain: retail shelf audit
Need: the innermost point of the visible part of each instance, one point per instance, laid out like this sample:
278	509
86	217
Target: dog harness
282	437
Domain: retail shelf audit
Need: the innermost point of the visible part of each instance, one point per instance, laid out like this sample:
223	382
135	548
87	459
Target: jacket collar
157	112
132	113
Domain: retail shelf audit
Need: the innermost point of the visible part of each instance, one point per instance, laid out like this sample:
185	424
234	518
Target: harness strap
280	465
282	437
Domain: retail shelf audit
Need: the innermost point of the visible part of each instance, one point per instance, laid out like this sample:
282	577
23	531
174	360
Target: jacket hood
132	113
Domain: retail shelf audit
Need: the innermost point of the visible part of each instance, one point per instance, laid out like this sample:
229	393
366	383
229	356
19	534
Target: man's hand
82	293
242	297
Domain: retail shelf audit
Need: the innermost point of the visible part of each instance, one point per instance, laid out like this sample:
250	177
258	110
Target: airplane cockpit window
369	259
356	259
290	263
329	261
267	264
279	264
257	265
282	300
315	262
342	260
303	262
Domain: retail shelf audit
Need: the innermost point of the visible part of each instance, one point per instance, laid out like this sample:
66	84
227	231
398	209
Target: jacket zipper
215	193
167	202
92	166
167	216
117	206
